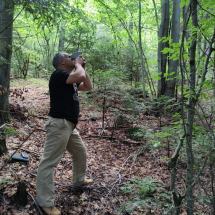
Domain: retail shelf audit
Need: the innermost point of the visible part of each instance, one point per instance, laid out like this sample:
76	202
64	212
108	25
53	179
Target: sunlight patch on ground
39	82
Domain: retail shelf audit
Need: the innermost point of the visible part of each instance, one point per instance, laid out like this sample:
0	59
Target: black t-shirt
64	101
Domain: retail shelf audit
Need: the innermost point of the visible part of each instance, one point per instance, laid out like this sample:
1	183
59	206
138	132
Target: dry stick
105	127
27	150
37	129
124	164
115	183
35	203
3	125
119	175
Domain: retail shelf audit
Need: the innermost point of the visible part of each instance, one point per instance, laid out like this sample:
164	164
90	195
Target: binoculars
76	54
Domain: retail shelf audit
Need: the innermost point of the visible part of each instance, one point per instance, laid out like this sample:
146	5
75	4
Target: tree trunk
214	76
20	197
61	37
162	58
185	18
141	54
6	25
3	147
190	113
173	64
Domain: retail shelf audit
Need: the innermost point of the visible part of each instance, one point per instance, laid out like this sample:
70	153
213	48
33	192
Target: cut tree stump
3	147
20	197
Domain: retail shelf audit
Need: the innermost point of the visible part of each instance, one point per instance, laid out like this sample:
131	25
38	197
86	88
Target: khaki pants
60	136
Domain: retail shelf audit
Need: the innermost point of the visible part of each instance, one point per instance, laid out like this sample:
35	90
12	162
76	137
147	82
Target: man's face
67	61
84	61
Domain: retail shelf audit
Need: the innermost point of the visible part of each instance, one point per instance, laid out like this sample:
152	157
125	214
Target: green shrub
140	194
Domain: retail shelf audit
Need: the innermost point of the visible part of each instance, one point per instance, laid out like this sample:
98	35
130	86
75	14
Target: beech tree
162	58
173	58
6	29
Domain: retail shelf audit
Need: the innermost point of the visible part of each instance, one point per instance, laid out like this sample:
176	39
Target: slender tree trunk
198	53
156	14
141	54
61	37
191	112
185	18
214	76
130	48
162	58
6	22
173	64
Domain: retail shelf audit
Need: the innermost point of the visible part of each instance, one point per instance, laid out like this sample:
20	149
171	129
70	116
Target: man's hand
84	64
79	60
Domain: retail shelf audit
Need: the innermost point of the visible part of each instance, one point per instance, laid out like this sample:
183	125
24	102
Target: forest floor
129	177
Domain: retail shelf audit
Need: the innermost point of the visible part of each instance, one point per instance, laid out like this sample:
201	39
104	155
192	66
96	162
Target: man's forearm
87	82
80	70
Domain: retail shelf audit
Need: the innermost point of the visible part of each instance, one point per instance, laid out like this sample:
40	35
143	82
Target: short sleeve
61	76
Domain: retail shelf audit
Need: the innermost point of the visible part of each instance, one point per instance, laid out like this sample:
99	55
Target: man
61	133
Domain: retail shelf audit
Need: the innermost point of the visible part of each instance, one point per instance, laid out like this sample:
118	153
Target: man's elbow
90	88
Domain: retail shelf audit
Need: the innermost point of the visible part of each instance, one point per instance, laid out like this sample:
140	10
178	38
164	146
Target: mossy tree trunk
20	197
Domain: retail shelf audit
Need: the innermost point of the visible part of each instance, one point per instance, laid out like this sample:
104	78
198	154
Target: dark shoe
52	211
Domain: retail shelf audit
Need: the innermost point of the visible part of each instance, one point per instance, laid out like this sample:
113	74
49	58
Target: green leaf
201	201
165	50
165	74
156	78
171	73
183	3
